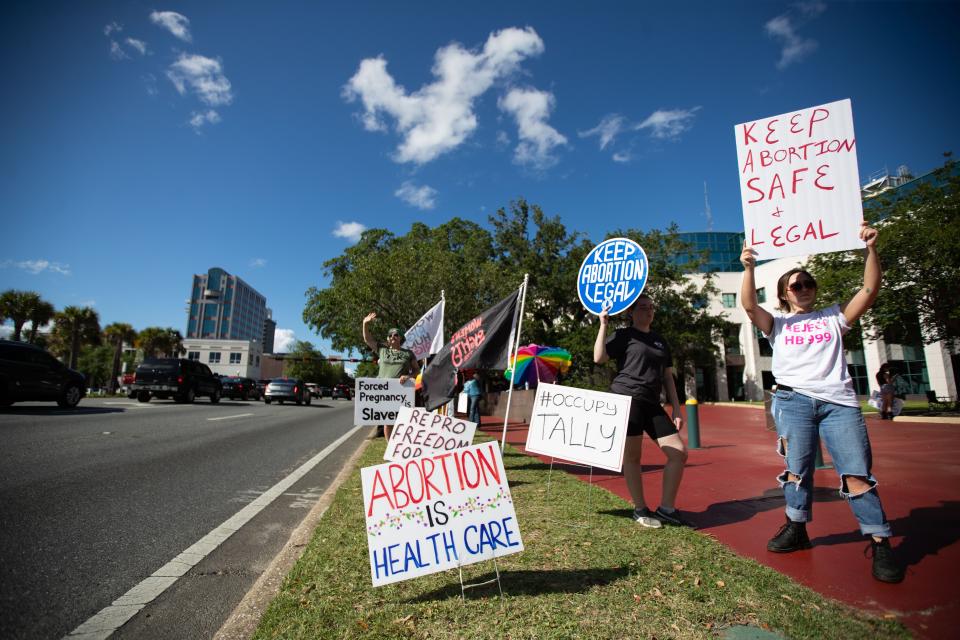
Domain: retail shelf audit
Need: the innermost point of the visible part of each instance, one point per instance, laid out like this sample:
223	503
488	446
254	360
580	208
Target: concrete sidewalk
730	492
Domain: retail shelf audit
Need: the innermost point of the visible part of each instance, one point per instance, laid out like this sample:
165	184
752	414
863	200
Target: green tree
309	364
920	253
73	328
95	361
160	341
24	306
116	334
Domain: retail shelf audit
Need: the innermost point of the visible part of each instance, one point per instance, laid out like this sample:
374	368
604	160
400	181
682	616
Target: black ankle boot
791	537
885	566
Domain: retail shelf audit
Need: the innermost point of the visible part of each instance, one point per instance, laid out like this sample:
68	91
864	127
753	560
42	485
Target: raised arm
748	292
367	336
872	275
600	346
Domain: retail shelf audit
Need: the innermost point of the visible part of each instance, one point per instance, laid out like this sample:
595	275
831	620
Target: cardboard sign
579	425
419	432
438	512
799	183
612	276
377	400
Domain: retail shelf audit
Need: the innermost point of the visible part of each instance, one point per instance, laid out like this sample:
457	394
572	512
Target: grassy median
602	577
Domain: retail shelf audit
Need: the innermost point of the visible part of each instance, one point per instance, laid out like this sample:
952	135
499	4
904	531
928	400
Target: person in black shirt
644	367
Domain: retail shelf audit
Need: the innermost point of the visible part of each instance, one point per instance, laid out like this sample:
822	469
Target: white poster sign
426	336
419	432
438	512
579	425
799	183
377	400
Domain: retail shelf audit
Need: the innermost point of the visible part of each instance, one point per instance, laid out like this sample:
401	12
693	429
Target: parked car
281	389
235	387
313	389
28	372
177	378
324	392
342	391
262	386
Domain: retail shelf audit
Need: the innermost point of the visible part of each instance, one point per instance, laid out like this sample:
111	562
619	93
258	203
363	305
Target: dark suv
177	378
238	387
341	391
27	372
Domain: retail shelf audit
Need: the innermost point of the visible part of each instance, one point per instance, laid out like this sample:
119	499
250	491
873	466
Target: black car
27	372
238	387
341	391
177	378
281	389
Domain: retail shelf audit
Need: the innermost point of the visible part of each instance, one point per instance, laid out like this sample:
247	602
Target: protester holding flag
644	367
394	361
815	399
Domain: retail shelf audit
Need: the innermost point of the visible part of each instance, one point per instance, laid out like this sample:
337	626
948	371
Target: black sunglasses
800	285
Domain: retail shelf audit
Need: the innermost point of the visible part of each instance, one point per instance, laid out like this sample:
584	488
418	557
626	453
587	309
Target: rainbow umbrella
538	364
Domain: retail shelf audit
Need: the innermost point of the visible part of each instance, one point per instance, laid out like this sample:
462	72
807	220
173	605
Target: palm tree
41	313
158	340
17	306
118	333
77	324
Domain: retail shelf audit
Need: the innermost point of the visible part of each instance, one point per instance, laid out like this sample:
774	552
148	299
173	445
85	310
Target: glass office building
224	307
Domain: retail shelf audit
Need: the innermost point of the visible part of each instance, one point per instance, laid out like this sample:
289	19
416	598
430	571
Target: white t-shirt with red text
808	355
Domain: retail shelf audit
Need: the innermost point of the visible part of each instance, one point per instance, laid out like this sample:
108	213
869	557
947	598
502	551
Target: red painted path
730	491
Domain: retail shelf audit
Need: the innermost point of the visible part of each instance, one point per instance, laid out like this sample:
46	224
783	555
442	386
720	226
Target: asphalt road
95	500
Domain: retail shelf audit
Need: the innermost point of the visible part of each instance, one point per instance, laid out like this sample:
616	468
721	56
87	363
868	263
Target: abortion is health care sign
438	512
579	425
377	400
419	432
612	276
799	183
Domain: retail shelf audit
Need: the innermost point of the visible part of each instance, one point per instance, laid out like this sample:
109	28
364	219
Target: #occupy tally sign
799	183
438	512
579	425
377	400
418	432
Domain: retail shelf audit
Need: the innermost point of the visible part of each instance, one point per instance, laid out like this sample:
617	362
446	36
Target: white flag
426	336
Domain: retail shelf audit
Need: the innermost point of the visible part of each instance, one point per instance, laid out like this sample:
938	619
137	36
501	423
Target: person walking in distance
474	392
644	368
815	400
393	360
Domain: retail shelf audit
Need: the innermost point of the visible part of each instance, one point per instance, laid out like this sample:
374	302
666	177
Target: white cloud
111	28
420	197
6	331
200	118
503	140
173	22
609	128
203	75
283	340
668	124
622	157
784	28
439	116
349	230
139	45
38	266
258	263
531	108
150	83
117	52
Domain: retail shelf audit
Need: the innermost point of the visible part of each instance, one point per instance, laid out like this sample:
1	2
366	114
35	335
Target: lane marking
111	618
239	415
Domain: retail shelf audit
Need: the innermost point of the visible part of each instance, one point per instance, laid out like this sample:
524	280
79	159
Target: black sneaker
672	518
885	566
791	537
644	518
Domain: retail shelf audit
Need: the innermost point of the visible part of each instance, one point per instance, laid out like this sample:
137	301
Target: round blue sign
612	276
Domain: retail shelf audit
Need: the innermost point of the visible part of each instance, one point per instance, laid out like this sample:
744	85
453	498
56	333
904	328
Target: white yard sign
579	425
438	512
799	183
377	400
419	432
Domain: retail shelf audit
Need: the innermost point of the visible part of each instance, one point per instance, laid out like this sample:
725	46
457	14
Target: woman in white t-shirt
815	400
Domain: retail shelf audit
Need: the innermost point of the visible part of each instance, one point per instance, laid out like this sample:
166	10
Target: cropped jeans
802	422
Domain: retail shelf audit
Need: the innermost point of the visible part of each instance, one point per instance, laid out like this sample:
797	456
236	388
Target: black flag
482	343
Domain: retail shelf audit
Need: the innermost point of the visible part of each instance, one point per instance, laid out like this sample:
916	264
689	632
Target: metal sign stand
464	587
593	489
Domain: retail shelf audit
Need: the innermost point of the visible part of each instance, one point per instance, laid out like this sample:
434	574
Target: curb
242	622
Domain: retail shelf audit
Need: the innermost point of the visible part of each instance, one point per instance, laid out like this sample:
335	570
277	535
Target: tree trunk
74	346
112	385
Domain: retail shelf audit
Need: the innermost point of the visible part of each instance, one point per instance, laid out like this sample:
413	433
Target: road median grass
587	571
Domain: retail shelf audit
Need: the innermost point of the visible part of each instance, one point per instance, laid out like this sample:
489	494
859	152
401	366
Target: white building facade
227	357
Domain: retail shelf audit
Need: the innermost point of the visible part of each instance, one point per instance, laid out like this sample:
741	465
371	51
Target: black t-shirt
641	359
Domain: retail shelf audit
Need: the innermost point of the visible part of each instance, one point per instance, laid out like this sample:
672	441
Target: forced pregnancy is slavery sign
438	512
799	182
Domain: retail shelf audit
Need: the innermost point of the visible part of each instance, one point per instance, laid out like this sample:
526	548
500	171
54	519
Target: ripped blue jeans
802	422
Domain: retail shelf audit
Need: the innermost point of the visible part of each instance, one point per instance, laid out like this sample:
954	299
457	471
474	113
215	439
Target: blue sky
145	142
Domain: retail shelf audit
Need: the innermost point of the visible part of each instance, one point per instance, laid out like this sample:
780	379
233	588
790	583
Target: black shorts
649	418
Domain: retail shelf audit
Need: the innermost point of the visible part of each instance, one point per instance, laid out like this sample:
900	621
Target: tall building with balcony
224	307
